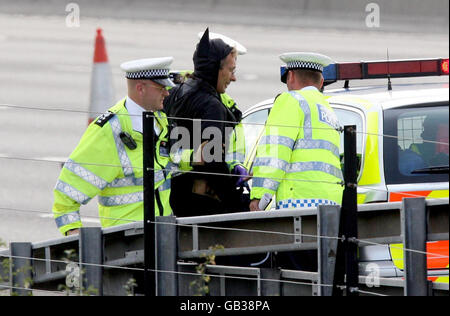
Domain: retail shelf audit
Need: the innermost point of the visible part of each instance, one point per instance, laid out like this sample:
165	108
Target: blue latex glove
240	170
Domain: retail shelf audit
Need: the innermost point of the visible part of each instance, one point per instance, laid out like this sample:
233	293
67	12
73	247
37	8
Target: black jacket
197	98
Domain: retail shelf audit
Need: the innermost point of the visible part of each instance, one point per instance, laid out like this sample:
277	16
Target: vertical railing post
414	231
347	257
21	268
270	282
91	260
166	255
328	217
149	203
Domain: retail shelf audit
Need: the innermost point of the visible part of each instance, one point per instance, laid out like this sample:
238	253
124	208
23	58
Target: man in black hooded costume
195	194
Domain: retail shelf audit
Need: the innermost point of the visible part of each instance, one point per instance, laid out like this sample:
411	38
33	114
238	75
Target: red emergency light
444	66
385	69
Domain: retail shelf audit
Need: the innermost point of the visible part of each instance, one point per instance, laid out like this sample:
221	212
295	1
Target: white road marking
53	158
45	158
72	68
249	77
81	69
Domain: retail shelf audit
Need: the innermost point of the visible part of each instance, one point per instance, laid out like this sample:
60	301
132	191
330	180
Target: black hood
207	57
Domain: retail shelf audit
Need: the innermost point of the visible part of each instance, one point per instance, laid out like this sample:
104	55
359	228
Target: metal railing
110	257
106	259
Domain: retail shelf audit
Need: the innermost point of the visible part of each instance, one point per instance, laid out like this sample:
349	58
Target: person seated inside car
434	148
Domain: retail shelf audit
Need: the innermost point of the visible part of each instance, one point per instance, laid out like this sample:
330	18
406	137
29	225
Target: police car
402	140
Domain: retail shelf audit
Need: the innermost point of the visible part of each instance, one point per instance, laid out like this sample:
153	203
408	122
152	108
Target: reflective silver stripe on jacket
165	186
298	166
121	199
159	176
277	140
236	156
315	166
126	182
71	192
123	157
307	125
85	174
265	183
271	162
163	152
307	142
316	144
172	168
67	219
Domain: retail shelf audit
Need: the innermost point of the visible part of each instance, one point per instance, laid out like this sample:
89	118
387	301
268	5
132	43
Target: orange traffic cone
102	92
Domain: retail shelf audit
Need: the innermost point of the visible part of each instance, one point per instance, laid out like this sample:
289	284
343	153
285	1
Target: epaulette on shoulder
102	119
276	97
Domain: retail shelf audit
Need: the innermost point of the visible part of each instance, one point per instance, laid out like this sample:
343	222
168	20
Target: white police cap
241	50
302	60
155	69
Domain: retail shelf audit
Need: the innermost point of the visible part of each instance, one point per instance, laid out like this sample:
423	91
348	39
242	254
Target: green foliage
73	281
5	277
4	268
201	285
129	287
74	277
28	282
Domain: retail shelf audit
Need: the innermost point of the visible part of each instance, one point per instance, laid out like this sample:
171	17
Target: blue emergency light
283	72
329	73
381	69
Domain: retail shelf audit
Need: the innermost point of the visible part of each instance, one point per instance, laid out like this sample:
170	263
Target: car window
252	131
349	117
421	141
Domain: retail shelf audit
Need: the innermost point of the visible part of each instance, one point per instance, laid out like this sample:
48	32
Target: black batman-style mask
207	57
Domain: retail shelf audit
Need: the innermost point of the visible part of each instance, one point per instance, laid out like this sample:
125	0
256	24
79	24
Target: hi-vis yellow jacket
236	147
102	165
298	155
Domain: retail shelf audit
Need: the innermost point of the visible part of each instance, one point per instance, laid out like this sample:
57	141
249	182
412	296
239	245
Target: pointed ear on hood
207	57
203	45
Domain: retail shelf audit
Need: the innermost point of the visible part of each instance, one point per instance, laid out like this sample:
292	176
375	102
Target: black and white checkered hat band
148	74
304	65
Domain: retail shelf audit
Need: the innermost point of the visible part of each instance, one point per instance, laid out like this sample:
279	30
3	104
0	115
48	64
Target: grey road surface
44	64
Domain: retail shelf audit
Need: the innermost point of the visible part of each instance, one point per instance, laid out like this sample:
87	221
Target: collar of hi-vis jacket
135	111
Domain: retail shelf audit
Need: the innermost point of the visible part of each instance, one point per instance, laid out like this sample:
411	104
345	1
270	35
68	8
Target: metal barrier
109	258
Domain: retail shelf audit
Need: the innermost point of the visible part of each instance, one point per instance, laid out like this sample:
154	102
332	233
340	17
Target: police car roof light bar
383	69
379	69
